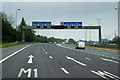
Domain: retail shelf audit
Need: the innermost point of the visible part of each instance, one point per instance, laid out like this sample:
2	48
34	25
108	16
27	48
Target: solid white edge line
65	71
13	54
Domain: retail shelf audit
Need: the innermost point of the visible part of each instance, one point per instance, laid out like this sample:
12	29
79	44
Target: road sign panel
41	22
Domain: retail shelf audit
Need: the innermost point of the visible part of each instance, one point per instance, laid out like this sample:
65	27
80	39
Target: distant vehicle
113	44
63	43
80	45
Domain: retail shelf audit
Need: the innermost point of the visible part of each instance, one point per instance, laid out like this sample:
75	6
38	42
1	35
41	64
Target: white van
80	45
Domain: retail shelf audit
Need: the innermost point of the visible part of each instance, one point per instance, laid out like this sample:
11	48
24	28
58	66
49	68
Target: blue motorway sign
41	23
73	23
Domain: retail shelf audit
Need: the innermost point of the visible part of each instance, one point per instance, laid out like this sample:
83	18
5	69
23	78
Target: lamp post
98	21
118	9
16	24
118	22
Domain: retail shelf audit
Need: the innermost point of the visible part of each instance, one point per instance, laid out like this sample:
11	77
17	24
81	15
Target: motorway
97	51
55	61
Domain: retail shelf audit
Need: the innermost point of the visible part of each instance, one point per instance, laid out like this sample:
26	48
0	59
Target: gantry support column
23	35
100	34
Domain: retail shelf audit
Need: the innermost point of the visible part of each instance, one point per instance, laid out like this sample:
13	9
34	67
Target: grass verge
104	47
9	44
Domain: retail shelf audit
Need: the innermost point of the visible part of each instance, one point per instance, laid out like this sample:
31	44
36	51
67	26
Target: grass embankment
9	44
104	47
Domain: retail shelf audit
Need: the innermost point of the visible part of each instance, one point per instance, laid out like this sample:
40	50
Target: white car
80	45
63	43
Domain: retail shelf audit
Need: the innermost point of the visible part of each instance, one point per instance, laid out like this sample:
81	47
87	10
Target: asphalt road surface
53	61
102	52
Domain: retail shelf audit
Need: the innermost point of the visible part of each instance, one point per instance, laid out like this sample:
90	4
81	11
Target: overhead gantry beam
61	27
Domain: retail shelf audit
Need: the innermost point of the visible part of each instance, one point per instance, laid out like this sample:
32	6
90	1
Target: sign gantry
63	25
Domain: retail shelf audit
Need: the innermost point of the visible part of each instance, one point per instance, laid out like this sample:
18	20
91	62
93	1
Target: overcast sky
85	12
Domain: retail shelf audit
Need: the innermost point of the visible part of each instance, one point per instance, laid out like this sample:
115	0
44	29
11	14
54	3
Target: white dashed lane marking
109	60
45	52
65	71
76	61
87	58
50	57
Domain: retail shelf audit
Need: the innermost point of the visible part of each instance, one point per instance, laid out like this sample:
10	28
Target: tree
29	34
22	23
72	41
8	33
116	40
51	39
44	39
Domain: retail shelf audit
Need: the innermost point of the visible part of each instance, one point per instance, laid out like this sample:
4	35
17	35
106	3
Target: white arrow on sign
30	59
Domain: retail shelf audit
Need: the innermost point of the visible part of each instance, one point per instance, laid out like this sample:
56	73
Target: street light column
118	19
16	24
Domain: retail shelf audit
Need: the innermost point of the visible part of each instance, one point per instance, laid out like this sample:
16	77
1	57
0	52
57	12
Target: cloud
59	0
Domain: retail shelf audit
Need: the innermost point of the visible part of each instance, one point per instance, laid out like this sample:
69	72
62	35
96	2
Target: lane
102	52
52	61
11	66
95	52
12	54
95	62
42	67
46	66
75	70
9	50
